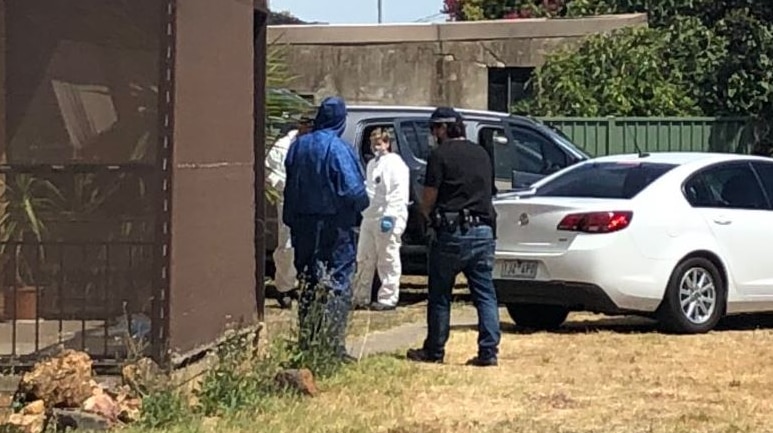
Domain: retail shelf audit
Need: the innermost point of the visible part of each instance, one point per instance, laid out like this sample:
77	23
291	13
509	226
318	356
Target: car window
765	171
731	186
531	152
417	137
619	180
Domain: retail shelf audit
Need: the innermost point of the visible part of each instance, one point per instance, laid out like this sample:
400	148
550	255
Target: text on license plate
518	269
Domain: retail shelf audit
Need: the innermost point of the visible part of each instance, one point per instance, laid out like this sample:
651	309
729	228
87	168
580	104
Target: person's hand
387	224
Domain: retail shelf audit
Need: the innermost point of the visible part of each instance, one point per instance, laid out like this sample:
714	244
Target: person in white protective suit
285	279
384	220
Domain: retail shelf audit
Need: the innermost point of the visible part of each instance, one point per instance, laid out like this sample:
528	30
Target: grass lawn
596	375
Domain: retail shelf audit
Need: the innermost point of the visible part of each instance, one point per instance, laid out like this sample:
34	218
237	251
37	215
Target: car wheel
537	316
694	299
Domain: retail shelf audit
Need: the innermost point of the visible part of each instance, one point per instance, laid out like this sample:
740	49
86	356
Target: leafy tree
477	10
283	18
617	73
745	78
720	53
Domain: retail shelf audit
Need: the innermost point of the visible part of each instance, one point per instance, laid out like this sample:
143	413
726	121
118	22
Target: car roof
681	158
427	110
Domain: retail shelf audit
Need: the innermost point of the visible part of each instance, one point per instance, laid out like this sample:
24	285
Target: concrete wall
425	64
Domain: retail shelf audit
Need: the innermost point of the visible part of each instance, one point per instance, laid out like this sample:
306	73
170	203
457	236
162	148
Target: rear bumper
603	279
574	296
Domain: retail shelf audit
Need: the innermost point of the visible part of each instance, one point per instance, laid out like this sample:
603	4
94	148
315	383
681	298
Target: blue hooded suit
323	199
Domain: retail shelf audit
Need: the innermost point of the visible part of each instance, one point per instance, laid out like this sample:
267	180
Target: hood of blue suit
331	116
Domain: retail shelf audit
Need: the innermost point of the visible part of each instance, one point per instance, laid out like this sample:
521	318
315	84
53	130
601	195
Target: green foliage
243	379
316	346
619	73
26	201
585	8
478	10
162	408
699	57
745	78
280	102
240	379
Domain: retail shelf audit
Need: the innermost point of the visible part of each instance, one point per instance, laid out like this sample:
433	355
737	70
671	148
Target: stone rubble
63	390
300	380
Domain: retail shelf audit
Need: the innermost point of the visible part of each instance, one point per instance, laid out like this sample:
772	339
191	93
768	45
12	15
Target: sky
361	11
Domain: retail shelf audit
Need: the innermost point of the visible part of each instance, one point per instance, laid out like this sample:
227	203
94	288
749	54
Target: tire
698	277
537	316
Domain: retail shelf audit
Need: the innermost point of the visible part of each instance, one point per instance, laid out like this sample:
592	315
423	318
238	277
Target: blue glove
387	224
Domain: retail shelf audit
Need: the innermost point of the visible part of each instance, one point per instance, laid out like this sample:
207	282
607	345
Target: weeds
242	379
322	319
162	408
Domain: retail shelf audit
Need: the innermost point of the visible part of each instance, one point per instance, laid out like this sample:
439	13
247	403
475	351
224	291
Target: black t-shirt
463	174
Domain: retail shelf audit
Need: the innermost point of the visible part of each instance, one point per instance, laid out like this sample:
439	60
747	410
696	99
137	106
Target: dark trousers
325	257
472	253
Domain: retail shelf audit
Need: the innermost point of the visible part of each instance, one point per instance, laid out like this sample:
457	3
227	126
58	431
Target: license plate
518	269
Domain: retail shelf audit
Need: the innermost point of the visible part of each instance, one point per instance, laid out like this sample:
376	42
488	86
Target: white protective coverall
388	184
286	274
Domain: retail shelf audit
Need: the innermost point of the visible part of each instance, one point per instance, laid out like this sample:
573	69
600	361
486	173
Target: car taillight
596	222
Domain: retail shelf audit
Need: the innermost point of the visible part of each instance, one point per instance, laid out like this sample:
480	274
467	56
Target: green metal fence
614	135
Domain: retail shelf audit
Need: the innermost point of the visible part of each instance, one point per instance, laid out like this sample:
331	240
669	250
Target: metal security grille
81	173
131	208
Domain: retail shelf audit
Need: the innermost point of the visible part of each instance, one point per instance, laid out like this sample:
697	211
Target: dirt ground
412	308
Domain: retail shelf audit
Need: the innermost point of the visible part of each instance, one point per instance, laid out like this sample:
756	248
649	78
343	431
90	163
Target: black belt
473	220
454	220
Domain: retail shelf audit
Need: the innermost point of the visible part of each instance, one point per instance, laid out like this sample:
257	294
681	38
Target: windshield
560	136
617	180
564	139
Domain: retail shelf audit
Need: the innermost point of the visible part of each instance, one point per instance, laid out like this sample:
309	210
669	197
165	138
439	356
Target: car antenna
641	153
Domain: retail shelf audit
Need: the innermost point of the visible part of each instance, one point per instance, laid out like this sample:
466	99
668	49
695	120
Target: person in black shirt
457	202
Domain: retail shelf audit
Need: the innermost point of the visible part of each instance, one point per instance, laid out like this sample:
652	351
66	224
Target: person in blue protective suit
324	197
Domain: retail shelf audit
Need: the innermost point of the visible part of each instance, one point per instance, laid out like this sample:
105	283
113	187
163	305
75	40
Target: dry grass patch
596	375
627	380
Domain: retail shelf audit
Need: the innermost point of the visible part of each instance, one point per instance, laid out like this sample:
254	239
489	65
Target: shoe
360	306
285	301
378	306
348	359
419	355
483	362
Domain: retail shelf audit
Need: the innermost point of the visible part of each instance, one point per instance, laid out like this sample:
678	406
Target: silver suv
523	151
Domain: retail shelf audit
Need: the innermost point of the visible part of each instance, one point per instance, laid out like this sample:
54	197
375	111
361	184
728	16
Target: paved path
403	336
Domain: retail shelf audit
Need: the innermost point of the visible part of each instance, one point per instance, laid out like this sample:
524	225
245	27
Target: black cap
445	115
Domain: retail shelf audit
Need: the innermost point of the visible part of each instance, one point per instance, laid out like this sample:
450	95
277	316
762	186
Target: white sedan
685	238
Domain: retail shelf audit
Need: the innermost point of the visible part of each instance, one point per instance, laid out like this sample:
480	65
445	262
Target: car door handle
723	221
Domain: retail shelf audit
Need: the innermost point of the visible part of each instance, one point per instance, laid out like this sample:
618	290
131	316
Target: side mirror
513	177
501	140
516	184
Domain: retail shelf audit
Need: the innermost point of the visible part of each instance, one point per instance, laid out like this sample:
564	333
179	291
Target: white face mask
432	141
379	150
